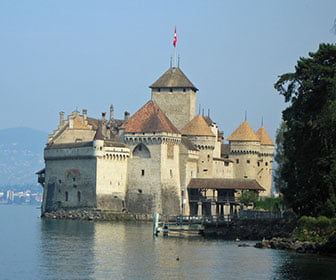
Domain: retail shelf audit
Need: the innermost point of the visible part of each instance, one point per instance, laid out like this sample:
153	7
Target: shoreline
95	215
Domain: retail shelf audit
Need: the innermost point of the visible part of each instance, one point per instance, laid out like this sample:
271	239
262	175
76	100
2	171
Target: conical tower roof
99	132
173	78
244	133
150	118
198	127
264	137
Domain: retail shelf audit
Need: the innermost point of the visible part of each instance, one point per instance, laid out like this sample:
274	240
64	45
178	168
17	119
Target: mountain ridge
21	155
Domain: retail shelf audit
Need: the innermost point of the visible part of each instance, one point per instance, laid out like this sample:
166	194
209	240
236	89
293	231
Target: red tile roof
197	126
243	133
150	118
264	137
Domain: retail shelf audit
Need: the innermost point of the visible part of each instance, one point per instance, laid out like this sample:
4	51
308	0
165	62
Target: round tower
244	147
264	176
200	134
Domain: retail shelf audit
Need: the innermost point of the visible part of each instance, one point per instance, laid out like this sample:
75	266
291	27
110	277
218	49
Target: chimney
126	116
84	114
111	112
61	115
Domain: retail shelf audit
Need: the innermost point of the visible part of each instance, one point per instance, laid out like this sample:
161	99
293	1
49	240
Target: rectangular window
142	172
248	161
237	160
66	196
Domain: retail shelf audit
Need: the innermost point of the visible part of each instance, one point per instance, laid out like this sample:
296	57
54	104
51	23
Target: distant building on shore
163	159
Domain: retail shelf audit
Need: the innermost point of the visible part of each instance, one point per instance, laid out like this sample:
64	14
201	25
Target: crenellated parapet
152	138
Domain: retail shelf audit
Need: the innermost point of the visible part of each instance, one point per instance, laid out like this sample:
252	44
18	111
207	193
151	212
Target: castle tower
200	134
153	173
264	176
244	147
176	96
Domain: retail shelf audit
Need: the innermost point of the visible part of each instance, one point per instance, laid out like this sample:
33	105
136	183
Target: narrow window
79	196
266	163
258	163
208	157
66	196
142	172
171	173
237	160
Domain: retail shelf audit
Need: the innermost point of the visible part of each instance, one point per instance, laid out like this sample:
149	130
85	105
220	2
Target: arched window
141	151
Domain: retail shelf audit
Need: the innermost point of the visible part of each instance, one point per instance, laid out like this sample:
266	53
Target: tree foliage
279	182
310	138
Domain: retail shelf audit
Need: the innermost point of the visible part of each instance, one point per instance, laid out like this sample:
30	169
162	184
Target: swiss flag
175	38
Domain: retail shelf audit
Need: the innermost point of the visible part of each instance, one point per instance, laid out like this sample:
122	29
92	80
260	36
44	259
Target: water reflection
66	249
295	266
102	250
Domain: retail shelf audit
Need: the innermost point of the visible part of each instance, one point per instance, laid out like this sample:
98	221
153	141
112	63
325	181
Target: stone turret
264	176
199	133
244	147
176	96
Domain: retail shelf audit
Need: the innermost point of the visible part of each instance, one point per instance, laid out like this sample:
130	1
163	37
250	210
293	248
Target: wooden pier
194	225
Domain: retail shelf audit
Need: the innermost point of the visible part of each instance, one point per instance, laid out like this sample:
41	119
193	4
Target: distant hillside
21	155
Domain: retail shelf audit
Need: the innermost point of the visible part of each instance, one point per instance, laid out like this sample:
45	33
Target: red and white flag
175	38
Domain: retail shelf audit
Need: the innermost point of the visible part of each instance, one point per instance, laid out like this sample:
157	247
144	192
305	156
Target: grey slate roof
173	78
219	183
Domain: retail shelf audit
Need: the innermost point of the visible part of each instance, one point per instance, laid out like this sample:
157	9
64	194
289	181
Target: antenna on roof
203	112
199	109
209	113
245	115
171	62
178	62
262	121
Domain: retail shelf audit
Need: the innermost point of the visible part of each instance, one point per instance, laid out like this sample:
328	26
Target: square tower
176	96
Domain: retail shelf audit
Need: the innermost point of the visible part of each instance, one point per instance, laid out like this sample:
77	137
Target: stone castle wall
178	105
70	182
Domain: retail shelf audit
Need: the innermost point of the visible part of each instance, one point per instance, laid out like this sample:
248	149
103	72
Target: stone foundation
95	215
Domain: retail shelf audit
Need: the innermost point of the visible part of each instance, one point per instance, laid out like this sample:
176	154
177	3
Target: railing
241	215
257	215
210	198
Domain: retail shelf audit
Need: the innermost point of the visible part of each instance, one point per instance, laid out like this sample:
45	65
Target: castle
163	159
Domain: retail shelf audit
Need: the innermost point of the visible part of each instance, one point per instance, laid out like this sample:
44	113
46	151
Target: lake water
32	248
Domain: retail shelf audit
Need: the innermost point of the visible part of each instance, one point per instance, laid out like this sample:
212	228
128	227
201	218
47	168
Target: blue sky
62	55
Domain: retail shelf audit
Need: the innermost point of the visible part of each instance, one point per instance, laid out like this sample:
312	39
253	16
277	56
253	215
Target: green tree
248	197
279	182
310	139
